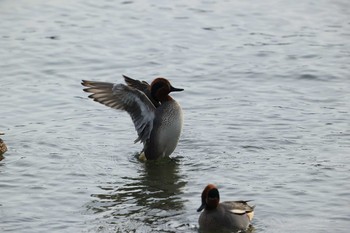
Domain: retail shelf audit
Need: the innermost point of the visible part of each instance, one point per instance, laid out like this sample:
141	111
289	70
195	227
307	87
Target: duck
3	147
157	117
227	215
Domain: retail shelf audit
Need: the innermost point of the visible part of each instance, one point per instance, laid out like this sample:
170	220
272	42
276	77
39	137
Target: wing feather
238	207
141	86
131	100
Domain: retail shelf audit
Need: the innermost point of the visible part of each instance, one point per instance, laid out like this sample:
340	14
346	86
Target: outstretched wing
122	97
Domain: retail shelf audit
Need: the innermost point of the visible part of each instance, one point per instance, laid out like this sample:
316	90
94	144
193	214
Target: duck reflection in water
150	200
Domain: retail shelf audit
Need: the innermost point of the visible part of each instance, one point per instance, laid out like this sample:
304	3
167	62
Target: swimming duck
3	147
228	215
156	116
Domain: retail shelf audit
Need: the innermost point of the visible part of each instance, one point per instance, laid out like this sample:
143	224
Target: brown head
160	89
210	198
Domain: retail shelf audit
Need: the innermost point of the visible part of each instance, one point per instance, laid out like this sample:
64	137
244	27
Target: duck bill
201	208
175	89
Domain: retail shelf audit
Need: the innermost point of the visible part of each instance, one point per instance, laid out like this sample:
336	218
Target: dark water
266	104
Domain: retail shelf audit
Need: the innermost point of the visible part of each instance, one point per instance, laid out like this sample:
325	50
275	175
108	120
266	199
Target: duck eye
157	86
213	193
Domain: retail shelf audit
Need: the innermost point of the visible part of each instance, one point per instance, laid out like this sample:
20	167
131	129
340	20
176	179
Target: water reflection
250	229
152	199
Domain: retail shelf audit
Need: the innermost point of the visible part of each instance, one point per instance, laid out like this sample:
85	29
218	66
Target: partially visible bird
3	147
228	215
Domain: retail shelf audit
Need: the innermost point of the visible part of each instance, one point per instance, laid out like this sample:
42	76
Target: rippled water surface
266	104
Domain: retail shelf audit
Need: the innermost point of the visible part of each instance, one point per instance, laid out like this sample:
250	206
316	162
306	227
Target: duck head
160	89
210	198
